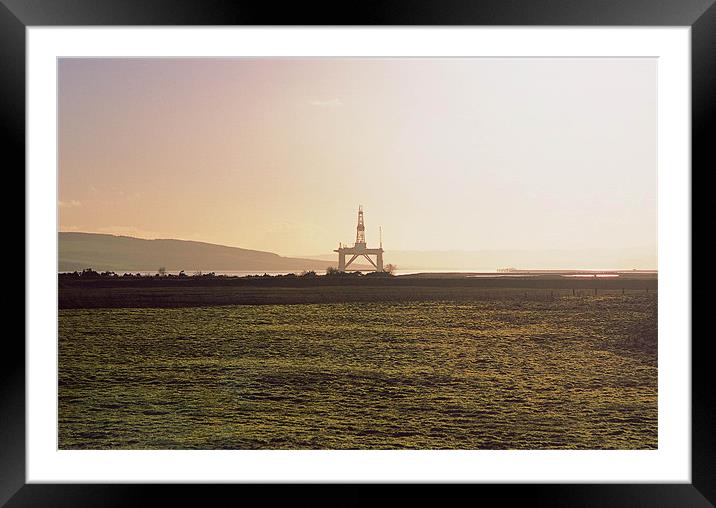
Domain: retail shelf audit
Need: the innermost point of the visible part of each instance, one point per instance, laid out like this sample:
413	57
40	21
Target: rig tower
360	248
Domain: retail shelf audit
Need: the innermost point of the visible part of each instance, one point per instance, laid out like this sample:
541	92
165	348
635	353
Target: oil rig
360	248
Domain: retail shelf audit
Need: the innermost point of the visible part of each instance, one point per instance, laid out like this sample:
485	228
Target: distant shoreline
398	273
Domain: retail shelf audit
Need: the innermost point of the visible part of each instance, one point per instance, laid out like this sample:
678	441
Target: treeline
89	273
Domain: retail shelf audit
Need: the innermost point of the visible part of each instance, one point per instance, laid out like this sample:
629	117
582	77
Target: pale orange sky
445	154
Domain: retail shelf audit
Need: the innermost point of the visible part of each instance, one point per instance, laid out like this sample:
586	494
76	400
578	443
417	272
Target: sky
276	154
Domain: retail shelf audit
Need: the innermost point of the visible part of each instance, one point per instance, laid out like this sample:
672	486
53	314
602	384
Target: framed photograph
440	245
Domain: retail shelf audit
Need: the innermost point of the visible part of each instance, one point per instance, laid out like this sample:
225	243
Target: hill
123	253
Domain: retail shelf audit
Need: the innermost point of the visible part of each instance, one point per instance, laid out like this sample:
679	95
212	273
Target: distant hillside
123	253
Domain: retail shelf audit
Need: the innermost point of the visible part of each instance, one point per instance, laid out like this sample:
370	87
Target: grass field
511	370
152	292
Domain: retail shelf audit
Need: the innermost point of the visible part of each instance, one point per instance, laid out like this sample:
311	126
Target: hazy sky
445	154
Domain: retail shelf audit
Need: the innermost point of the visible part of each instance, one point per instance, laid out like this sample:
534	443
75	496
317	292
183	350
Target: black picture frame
16	15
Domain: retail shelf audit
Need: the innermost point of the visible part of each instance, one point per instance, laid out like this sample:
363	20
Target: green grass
501	373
